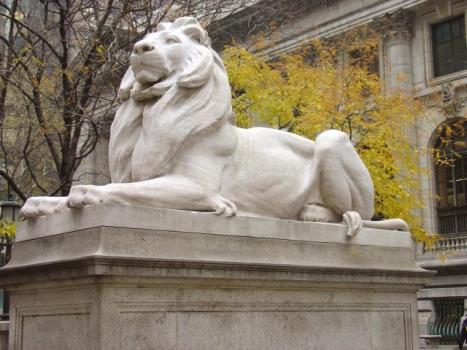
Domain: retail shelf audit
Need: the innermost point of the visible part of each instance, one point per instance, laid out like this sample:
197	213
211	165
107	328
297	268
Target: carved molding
452	102
449	98
443	9
399	24
22	313
219	306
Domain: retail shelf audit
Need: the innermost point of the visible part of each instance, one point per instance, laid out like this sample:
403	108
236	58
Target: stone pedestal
118	277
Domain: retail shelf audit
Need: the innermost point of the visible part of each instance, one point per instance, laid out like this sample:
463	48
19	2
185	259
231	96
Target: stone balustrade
450	243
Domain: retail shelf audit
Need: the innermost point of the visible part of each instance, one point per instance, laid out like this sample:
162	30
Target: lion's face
178	54
158	56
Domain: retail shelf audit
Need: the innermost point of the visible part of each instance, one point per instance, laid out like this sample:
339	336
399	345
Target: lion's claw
38	206
224	207
84	195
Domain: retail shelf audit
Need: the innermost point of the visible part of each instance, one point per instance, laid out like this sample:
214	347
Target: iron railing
5	254
448	313
452	220
452	230
5	250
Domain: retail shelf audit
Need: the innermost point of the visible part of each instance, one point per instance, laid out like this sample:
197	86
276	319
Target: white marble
173	145
147	218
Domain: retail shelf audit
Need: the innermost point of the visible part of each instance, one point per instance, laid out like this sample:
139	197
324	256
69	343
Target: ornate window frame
441	13
450	218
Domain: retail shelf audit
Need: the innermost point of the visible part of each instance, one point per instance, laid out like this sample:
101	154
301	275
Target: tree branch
29	29
13	185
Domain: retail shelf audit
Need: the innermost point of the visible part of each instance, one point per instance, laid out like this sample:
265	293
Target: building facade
425	42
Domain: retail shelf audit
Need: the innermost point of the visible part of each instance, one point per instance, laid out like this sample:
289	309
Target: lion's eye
172	40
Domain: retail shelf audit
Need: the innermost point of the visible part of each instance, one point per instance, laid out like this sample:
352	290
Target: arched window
450	151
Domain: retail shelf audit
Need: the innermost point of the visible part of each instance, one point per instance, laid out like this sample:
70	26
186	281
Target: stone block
121	277
4	335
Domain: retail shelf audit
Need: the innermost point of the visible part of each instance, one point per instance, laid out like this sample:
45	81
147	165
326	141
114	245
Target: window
451	177
449	46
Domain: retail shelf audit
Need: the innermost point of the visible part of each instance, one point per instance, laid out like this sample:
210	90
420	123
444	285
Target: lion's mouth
150	89
148	75
148	84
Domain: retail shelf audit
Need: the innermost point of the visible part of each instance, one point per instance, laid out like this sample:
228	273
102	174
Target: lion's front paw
30	209
39	206
223	206
83	195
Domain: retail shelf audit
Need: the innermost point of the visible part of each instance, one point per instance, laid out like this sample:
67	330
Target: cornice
338	25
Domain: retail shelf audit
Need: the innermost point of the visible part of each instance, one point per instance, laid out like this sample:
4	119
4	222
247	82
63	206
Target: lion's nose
140	48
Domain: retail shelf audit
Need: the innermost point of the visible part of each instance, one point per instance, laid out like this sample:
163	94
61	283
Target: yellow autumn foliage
7	229
308	92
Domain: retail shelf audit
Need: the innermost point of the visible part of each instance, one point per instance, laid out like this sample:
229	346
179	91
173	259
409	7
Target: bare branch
29	29
12	184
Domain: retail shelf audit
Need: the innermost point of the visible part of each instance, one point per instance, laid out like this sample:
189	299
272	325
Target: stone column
397	32
426	315
94	169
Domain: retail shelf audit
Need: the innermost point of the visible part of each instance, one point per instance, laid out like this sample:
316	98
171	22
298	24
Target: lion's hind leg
319	213
341	189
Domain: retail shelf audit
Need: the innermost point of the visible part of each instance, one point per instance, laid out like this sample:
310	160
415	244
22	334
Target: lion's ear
126	85
163	26
191	28
197	33
199	70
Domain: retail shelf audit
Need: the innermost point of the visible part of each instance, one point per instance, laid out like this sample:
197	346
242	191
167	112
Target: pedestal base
116	277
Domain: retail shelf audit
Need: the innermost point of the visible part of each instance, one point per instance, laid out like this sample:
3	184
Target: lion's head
177	53
175	87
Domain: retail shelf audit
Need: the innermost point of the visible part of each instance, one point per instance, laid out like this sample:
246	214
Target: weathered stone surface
4	335
118	277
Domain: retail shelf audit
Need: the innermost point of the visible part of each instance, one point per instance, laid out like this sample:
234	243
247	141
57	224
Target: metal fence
448	314
5	250
452	220
5	254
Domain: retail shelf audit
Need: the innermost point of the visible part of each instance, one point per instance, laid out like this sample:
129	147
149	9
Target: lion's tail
355	223
389	224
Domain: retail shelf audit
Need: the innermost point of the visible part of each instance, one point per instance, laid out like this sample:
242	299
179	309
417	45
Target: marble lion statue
173	144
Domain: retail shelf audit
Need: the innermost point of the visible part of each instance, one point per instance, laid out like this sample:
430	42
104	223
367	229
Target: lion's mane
146	134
